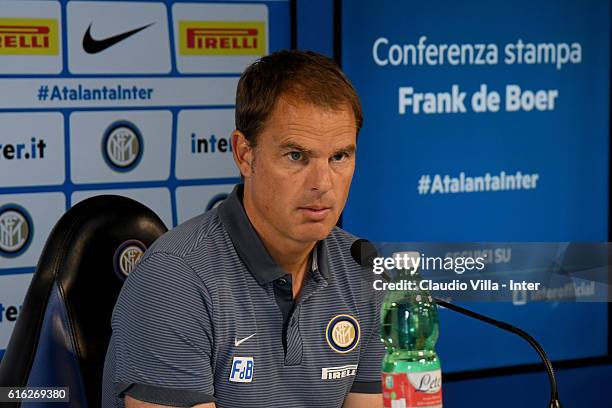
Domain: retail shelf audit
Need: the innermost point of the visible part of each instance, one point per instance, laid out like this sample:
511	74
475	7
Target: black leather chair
62	332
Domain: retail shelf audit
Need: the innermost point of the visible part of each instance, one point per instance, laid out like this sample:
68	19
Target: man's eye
295	156
339	156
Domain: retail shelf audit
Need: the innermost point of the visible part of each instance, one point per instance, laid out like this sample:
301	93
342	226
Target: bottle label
412	390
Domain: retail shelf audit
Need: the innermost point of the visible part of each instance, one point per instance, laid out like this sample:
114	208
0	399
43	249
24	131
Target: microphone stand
554	395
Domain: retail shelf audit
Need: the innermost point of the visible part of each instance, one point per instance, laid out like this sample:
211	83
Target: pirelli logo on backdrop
28	36
222	38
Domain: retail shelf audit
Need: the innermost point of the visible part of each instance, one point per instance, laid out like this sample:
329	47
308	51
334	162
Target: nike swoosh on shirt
239	342
93	46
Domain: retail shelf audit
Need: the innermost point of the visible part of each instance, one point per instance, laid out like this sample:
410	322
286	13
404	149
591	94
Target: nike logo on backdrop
239	342
92	46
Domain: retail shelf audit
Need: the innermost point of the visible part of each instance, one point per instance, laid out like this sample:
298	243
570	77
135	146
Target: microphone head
364	252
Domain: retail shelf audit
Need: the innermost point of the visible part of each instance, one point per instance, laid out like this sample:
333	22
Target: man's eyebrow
289	145
347	149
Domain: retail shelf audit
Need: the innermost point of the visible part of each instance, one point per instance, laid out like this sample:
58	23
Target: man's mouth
315	213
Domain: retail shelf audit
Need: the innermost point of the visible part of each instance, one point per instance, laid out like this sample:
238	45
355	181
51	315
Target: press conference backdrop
455	91
128	98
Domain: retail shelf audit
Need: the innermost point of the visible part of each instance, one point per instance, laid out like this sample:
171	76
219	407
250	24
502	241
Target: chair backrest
62	332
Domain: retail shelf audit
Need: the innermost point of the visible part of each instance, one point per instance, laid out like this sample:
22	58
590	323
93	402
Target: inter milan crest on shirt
342	333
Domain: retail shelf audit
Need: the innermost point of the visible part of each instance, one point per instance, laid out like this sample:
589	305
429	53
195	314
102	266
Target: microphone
364	252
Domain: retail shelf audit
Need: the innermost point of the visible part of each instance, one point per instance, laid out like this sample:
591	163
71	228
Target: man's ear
243	153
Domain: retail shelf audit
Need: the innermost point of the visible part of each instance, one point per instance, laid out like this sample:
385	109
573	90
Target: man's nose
320	177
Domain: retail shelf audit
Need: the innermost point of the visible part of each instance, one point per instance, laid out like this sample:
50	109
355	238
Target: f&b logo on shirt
242	370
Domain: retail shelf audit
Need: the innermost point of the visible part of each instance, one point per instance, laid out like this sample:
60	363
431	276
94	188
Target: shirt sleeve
163	334
368	379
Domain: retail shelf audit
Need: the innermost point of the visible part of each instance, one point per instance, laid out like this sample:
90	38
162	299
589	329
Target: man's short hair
303	75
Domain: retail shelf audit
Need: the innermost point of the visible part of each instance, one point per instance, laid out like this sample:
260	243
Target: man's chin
314	232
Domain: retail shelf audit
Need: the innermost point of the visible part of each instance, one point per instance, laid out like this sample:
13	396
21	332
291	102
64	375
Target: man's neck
292	256
296	262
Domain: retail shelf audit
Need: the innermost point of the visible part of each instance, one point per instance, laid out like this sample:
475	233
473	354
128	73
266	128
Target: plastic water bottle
411	375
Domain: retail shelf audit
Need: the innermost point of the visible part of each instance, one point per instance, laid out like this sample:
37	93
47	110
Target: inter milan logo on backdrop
15	230
127	256
122	146
342	333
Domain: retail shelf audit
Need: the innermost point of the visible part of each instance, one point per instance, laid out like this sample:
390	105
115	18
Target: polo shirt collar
250	248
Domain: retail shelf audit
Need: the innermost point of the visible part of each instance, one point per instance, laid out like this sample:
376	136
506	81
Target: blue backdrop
563	146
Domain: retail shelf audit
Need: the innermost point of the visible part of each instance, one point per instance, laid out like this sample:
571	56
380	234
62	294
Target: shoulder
340	240
338	249
338	252
186	237
356	280
164	281
194	254
166	263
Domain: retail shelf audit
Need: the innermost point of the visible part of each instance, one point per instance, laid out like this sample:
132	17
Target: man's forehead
314	139
288	110
296	120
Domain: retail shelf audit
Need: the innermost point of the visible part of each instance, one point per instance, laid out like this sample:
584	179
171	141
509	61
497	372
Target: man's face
301	171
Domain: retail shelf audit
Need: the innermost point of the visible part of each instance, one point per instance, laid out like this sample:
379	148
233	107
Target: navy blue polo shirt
208	316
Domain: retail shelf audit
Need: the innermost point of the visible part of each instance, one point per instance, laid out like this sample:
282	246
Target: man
258	303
